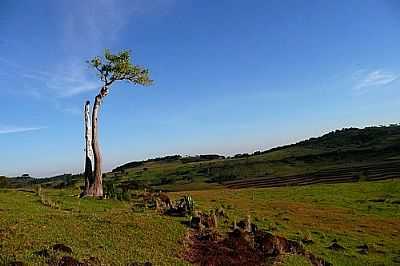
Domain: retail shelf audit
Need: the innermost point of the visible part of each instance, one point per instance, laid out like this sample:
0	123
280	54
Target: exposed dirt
68	261
210	248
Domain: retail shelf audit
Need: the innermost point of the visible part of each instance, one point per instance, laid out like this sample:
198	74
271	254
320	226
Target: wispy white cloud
99	23
86	29
13	129
69	79
365	79
72	80
65	81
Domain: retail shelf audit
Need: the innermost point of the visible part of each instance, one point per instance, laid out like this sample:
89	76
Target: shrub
38	190
167	180
3	181
223	178
49	203
113	192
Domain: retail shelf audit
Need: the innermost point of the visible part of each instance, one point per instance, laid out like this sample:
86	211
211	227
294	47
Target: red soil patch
210	248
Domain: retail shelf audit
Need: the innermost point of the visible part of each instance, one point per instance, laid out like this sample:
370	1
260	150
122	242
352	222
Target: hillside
350	151
356	223
343	155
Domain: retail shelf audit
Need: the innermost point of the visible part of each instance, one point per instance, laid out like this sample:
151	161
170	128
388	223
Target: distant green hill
352	148
343	155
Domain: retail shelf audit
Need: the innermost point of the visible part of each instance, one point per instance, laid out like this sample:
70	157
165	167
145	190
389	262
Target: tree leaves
113	67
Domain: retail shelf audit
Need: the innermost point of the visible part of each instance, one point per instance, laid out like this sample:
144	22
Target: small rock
307	241
336	247
378	200
363	249
395	202
68	261
62	248
364	246
195	222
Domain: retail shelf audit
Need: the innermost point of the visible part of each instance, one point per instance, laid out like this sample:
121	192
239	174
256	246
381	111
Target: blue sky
230	76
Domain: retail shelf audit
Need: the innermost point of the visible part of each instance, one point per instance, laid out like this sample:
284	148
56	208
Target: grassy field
376	148
117	233
354	214
107	229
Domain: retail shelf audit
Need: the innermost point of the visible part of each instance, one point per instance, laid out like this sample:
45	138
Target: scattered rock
378	200
220	212
276	245
307	241
181	208
69	261
203	220
62	248
208	247
335	246
247	225
195	222
363	249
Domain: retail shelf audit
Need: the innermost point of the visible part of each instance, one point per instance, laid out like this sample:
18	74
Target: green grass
324	212
350	148
117	233
106	229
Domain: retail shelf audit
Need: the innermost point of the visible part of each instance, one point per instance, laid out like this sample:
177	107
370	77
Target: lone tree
110	68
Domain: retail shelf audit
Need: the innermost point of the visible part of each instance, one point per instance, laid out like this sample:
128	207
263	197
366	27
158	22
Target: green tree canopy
118	66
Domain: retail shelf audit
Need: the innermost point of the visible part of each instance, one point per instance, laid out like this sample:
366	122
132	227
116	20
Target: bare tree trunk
88	151
93	174
98	179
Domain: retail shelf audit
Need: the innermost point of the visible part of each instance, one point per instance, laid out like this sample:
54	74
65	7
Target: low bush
3	181
112	191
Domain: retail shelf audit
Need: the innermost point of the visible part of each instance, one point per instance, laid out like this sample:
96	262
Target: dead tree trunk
93	174
98	179
88	151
